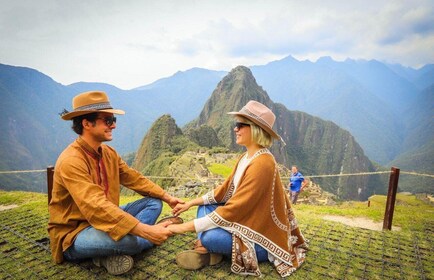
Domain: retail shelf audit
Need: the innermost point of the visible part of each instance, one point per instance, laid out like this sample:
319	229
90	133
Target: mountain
33	134
184	93
30	138
160	147
30	102
181	95
158	139
365	97
422	78
420	128
418	144
223	100
379	80
204	136
315	145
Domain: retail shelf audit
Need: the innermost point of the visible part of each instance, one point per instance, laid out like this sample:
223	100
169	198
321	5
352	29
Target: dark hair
77	125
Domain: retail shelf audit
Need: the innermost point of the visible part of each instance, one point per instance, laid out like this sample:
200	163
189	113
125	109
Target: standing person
295	183
249	216
85	218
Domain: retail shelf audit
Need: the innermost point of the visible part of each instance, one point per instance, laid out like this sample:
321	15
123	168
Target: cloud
279	36
400	22
347	30
131	43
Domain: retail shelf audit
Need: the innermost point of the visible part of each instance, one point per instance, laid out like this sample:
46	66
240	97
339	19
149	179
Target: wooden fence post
50	174
391	197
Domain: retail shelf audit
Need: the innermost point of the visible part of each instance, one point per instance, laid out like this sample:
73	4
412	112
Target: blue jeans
218	240
91	242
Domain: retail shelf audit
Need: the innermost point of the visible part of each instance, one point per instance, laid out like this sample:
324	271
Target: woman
249	216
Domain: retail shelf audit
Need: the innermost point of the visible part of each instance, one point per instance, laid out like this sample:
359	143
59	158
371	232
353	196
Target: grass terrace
337	251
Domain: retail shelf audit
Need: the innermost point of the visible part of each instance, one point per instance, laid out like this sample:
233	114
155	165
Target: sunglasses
239	125
108	120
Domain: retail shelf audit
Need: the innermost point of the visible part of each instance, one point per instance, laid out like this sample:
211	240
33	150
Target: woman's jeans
218	240
91	242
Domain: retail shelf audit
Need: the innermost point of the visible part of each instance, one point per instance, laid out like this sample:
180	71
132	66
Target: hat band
256	117
96	106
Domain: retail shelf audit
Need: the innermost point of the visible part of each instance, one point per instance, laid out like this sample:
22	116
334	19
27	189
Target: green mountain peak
159	138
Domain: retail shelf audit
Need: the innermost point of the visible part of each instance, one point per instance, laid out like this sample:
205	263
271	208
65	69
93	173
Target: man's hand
157	234
171	200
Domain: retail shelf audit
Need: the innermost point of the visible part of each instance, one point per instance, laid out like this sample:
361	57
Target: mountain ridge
306	136
33	134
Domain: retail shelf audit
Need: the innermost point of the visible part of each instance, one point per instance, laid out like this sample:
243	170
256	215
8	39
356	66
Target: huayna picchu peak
315	145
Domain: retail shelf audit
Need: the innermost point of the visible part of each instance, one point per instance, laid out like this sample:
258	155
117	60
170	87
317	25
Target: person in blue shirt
295	184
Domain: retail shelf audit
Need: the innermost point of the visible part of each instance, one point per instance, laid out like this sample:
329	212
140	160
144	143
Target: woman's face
243	134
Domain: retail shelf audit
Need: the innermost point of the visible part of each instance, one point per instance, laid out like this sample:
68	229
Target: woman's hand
180	207
181	228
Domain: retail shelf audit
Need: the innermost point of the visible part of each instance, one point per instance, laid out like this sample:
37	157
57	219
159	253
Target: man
296	180
85	218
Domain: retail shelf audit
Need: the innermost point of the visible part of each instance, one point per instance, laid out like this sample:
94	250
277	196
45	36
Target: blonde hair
259	136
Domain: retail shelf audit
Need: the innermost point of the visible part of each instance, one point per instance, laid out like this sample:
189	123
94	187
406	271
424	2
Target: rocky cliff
315	145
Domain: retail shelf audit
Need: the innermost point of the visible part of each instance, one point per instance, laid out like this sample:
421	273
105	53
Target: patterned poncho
259	212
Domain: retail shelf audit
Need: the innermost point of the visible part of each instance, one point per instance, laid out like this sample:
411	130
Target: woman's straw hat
259	114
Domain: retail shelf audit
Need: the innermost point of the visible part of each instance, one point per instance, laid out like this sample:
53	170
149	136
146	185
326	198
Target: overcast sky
132	43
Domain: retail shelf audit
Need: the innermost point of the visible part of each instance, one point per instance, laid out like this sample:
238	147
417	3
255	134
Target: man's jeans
218	240
91	242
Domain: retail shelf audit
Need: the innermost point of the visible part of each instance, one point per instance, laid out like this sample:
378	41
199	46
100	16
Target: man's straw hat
90	102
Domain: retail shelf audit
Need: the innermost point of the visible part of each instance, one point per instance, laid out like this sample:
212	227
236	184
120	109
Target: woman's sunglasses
108	120
239	125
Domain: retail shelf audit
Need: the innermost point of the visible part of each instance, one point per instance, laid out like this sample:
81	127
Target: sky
131	43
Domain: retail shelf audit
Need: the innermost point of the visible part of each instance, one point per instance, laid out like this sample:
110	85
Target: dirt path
358	222
7	207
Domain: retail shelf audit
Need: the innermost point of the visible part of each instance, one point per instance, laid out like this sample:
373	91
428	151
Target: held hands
176	228
157	234
180	207
171	200
182	228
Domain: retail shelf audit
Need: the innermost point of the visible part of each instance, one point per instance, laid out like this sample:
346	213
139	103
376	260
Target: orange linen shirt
86	190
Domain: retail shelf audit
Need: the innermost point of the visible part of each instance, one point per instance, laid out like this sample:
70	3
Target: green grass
336	251
220	169
223	169
17	197
410	214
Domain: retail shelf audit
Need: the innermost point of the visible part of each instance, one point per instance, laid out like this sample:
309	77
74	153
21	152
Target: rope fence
417	174
345	174
309	176
23	171
391	196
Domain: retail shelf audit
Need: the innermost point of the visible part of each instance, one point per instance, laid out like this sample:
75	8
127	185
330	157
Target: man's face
294	169
102	130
